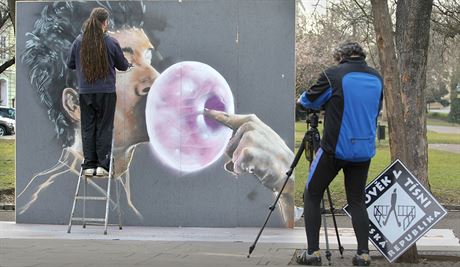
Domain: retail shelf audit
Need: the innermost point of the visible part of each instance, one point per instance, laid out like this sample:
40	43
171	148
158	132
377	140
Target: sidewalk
454	148
73	253
50	245
444	129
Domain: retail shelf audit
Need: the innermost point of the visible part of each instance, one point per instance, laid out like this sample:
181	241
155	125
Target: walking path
50	245
434	240
444	129
454	148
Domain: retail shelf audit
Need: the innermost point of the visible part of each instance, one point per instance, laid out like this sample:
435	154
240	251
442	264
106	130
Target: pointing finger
233	121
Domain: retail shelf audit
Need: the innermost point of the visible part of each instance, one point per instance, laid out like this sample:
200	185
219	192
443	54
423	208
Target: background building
7	77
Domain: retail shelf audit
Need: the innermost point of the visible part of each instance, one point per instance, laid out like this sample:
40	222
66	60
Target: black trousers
97	116
323	170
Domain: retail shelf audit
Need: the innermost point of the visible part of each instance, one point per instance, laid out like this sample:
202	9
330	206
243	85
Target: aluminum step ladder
105	197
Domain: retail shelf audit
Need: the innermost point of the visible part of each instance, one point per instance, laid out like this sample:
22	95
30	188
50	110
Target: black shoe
362	260
309	259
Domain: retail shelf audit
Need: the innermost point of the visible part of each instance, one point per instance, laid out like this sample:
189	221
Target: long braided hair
93	53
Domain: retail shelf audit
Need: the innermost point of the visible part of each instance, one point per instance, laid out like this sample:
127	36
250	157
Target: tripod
309	144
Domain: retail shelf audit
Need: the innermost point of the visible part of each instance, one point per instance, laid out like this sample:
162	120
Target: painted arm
257	149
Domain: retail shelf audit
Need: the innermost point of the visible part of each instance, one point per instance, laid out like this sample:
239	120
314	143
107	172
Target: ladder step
101	224
88	219
91	198
97	177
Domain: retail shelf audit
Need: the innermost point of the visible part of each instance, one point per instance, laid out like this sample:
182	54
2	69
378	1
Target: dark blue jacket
116	60
351	95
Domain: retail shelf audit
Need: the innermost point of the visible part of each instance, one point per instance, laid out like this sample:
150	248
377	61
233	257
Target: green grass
7	158
443	169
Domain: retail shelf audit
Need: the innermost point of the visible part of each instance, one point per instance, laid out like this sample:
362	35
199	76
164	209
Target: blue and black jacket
351	95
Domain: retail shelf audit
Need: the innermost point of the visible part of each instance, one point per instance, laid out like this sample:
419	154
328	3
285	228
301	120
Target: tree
446	23
435	92
444	55
319	35
7	19
403	60
454	115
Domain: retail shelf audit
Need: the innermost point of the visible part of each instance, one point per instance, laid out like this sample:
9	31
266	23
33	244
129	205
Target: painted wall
248	43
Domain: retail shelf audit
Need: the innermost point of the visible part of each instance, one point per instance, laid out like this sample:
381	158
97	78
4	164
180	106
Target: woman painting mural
95	56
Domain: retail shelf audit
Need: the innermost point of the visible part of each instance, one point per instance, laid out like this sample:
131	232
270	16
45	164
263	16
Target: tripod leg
341	249
288	175
323	213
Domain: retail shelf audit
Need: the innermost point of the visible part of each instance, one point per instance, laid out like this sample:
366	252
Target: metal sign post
400	210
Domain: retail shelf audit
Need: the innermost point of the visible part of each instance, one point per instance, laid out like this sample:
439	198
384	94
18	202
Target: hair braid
93	54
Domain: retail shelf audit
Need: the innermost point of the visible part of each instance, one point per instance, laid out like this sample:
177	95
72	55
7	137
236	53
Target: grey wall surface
249	42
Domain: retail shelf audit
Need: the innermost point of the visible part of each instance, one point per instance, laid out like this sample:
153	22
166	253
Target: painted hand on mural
257	149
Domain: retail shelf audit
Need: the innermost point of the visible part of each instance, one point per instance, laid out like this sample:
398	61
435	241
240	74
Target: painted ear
70	104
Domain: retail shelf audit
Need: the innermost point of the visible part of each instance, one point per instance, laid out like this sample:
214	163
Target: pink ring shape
181	136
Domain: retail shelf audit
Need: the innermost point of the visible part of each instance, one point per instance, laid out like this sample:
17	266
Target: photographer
351	95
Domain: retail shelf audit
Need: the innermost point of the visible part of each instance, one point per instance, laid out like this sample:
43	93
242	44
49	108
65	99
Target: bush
438	115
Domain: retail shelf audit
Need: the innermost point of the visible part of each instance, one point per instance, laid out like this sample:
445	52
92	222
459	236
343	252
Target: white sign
400	210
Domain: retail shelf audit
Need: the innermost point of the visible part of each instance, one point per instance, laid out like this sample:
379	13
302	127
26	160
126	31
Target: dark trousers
323	170
97	116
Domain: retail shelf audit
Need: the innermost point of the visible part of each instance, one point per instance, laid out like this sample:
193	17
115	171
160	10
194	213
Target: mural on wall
46	51
184	110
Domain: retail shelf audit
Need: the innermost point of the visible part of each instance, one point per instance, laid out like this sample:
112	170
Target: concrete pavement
454	148
110	253
50	245
444	129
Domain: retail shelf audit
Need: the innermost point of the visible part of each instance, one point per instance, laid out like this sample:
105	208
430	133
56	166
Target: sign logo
400	210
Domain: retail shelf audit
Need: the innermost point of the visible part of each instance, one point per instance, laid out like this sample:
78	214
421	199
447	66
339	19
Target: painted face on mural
132	87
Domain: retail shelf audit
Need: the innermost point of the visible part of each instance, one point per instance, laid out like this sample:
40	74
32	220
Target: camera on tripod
312	117
312	135
307	114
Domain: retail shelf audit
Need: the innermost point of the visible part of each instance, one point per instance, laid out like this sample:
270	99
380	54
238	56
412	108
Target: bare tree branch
12	13
362	10
316	6
7	64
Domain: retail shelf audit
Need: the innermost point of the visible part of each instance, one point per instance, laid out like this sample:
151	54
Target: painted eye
148	56
181	136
